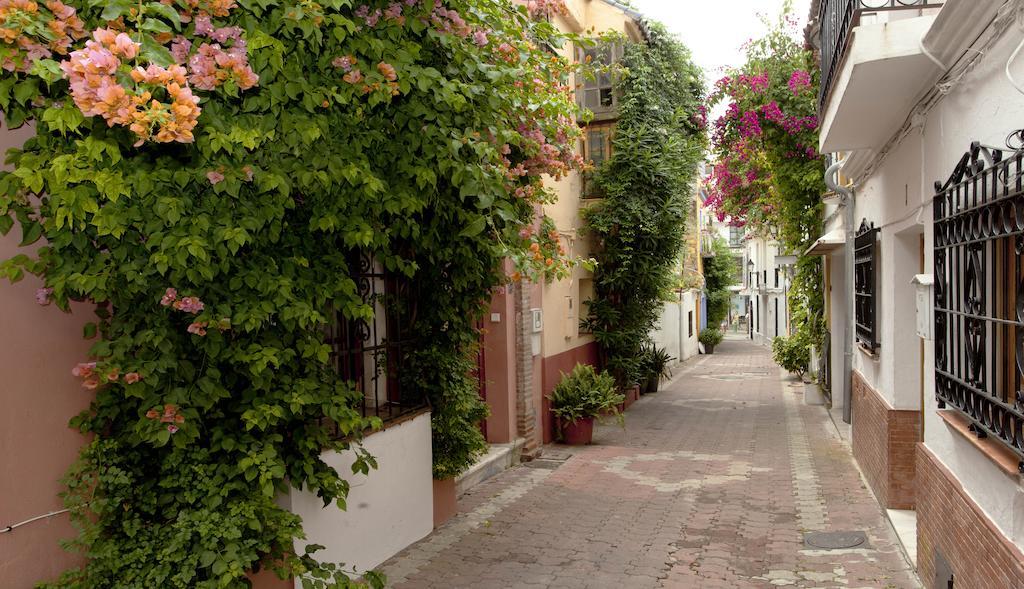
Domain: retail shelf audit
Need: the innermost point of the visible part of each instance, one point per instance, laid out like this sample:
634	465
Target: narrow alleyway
712	483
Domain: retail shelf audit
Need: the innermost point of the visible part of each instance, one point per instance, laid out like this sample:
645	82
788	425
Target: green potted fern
582	396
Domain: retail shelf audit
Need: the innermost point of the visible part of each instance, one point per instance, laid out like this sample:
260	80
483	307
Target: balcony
873	68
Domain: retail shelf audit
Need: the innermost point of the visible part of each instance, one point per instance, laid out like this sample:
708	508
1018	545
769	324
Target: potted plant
583	395
792	353
710	337
656	364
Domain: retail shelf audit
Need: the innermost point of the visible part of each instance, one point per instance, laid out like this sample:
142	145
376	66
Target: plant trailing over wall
648	183
203	171
768	174
719	274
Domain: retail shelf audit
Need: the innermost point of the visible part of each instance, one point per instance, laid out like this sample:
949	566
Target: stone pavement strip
712	483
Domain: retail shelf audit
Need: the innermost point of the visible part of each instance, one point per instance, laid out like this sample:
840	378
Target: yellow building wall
562	299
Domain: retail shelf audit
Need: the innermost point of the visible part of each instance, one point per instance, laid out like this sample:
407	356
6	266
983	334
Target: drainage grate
836	540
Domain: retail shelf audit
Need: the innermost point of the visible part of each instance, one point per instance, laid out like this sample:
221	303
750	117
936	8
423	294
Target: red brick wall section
884	441
980	556
525	410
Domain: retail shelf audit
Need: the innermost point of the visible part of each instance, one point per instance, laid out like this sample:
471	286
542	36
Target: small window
865	268
690	316
598	146
597	92
597	149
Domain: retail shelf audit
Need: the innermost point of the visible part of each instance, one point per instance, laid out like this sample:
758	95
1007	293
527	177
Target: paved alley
712	483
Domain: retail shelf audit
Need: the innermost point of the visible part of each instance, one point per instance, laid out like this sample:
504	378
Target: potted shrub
710	337
792	353
583	395
657	361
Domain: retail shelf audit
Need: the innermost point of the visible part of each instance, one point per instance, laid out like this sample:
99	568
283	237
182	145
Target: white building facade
922	105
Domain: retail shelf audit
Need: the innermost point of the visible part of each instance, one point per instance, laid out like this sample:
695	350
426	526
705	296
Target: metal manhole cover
836	540
545	464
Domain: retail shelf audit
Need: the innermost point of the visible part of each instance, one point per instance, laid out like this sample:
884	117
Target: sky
715	30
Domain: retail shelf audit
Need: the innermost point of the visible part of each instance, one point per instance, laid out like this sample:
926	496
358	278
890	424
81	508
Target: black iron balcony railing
837	18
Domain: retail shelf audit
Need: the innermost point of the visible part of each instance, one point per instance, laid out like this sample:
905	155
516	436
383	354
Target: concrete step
499	458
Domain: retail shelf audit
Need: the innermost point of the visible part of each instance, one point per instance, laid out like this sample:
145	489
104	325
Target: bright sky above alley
715	31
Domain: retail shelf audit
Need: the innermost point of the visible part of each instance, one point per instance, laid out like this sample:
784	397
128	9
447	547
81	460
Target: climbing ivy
719	275
648	183
202	172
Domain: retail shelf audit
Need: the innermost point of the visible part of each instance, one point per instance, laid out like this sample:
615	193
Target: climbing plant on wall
768	173
640	224
719	274
202	172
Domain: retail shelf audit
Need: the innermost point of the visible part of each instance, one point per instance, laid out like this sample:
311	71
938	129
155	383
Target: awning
828	243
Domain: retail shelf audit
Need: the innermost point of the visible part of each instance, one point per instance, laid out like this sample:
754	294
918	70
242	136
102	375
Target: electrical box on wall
923	284
538	320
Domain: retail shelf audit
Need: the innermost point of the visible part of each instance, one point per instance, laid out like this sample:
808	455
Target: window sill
873	354
999	454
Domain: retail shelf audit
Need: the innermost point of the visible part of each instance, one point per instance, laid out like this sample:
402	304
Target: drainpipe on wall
847	195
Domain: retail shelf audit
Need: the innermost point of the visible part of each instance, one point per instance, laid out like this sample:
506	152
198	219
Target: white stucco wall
388	509
984	107
673	330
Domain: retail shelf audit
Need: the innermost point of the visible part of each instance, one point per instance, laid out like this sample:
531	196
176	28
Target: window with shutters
597	92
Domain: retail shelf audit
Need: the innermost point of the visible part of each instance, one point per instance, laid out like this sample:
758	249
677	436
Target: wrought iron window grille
979	294
371	354
865	283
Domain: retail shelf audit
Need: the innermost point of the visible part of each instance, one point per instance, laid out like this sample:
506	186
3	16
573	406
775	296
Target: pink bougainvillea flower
91	383
480	38
214	177
353	77
43	296
388	71
197	328
172	428
344	62
83	369
113	374
799	81
132	378
190	305
170	296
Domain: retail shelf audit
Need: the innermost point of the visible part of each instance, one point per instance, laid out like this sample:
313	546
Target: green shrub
584	393
711	336
792	353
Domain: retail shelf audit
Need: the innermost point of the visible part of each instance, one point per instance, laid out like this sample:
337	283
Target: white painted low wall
388	509
673	329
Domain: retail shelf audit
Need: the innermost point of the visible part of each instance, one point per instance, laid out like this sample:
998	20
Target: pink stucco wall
500	367
38	347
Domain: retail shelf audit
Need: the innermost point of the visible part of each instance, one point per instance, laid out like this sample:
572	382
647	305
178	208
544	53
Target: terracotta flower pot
579	433
632	394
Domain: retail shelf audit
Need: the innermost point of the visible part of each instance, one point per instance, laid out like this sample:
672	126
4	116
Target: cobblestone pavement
712	483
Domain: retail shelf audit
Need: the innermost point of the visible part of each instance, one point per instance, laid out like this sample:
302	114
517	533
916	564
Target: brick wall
526	416
949	521
884	441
